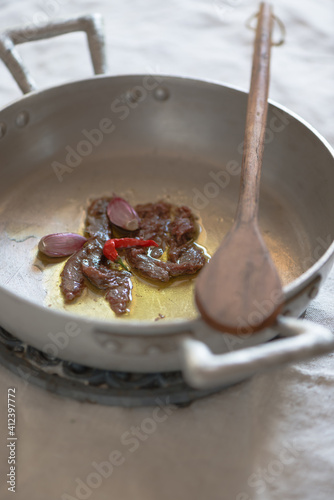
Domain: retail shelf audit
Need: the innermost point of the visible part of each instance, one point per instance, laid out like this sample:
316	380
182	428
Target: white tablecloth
270	437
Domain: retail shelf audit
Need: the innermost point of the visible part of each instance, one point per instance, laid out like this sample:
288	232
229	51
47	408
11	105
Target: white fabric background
271	437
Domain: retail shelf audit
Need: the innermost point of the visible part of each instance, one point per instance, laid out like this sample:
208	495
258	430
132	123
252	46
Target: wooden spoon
239	290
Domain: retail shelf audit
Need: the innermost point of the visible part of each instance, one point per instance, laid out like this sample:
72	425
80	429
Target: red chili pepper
109	249
133	242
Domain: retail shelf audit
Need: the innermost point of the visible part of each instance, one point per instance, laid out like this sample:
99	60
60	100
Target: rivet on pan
313	292
134	95
111	345
3	129
153	350
161	94
104	340
22	119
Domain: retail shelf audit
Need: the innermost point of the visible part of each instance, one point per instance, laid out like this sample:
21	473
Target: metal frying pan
149	137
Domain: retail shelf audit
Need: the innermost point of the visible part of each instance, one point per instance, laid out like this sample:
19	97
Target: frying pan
151	137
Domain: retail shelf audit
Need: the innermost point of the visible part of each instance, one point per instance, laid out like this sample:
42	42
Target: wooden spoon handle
256	118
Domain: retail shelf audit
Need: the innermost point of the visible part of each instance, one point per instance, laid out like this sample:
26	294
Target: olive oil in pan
152	301
39	205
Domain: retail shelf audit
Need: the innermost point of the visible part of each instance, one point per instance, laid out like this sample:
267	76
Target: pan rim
170	326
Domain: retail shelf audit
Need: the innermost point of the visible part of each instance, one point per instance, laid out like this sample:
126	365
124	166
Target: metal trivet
92	385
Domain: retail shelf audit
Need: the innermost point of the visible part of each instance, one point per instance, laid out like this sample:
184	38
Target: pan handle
91	24
203	369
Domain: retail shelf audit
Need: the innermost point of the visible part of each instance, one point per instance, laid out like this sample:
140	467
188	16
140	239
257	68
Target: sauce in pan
151	300
41	205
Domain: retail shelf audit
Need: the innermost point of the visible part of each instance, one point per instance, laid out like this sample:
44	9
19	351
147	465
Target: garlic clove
122	214
61	244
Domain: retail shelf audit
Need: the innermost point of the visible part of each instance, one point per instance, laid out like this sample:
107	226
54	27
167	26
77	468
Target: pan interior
39	204
182	142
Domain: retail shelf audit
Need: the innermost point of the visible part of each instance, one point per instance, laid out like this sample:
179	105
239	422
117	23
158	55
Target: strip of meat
184	256
117	283
72	279
154	222
190	260
119	296
94	252
183	228
146	265
97	221
182	249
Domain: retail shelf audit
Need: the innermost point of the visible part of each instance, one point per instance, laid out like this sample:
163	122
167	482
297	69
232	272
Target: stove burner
92	385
